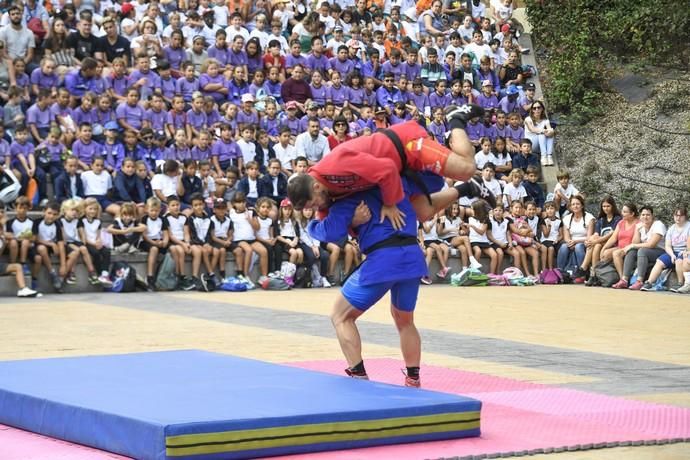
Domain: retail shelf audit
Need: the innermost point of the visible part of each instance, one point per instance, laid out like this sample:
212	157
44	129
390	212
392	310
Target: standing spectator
312	144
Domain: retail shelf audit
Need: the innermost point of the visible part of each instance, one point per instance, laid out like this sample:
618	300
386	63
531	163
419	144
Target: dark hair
170	166
299	190
614	208
479	208
172	198
52	205
196	197
632	207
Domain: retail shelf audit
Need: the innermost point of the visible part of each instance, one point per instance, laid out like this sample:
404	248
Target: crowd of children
162	118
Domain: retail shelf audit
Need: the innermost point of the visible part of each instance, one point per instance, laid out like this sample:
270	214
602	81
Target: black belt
393	241
406	170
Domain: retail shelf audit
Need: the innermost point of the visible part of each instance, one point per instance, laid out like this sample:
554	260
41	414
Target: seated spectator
539	131
577	227
676	249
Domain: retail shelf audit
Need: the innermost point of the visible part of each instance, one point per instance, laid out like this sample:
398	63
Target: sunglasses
339	124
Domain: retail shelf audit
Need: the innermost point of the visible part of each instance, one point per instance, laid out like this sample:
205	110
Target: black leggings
100	258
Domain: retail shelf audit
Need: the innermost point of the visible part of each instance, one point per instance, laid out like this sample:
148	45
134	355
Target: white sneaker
474	263
324	282
549	160
28	292
684	289
104	279
544	161
132	249
121	249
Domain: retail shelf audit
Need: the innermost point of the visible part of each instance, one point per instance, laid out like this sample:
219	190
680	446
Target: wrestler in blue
394	263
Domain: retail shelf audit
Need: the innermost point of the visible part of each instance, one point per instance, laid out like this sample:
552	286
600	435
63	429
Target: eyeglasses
537	107
339	124
147	138
388	80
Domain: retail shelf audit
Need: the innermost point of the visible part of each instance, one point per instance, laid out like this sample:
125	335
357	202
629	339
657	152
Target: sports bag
606	273
166	279
550	276
233	284
469	277
124	277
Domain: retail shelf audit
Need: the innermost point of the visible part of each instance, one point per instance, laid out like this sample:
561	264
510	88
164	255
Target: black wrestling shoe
475	188
457	116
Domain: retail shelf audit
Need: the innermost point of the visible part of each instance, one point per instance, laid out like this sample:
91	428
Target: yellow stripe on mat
264	438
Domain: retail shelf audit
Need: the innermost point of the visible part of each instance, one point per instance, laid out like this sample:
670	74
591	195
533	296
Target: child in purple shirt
225	151
438	127
38	116
143	77
319	91
155	116
247	115
272	85
337	93
130	115
85	113
219	50
175	53
118	81
113	150
212	82
237	86
179	151
45	77
196	117
176	117
439	97
85	148
202	149
187	84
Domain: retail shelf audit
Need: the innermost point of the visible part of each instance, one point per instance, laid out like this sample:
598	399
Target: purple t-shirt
344	67
168	87
355	96
186	87
118	85
291	61
212	117
206	79
439	101
508	105
247	118
58	111
86	151
421	101
515	134
318	63
474	131
197	121
103	117
44	80
254	63
411	71
113	155
396	70
320	94
177	120
153	81
80	116
134	116
17	149
175	56
198	154
292	124
273	90
338	95
488	102
225	151
177	153
55	150
270	126
439	131
235	59
236	90
38	117
222	55
157	119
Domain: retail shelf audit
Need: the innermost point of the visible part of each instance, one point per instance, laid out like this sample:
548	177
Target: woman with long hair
577	227
538	129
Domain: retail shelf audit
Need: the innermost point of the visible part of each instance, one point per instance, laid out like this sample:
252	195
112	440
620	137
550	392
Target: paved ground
629	344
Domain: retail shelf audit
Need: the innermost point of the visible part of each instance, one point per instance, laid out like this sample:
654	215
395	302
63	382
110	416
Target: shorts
426	154
217	245
73	246
548	243
428	243
145	246
403	293
666	259
498	246
102	200
3	268
480	244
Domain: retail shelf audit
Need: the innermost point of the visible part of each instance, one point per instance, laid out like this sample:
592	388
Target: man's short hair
300	190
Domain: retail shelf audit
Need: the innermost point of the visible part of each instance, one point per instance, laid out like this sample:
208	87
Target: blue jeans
570	257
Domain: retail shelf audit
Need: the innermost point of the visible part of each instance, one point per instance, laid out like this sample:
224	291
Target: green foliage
582	36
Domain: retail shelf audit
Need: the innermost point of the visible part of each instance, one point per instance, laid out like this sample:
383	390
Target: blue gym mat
192	404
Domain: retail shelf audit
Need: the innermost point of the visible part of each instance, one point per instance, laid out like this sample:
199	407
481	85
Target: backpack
124	277
166	279
606	274
469	277
273	283
498	280
550	276
302	278
233	284
287	272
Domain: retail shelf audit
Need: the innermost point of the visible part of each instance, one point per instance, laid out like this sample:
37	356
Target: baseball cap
530	86
220	203
247	98
290	105
512	89
505	28
126	8
313	105
352	43
487	83
112	125
380	109
285	203
337	29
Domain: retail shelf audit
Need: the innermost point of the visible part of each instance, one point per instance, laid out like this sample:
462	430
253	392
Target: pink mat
517	418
